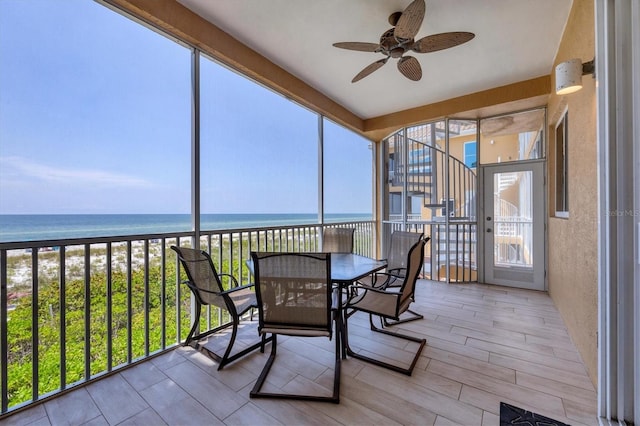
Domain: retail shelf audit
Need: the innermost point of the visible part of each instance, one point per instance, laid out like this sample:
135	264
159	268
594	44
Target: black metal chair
337	240
393	275
388	303
206	287
295	298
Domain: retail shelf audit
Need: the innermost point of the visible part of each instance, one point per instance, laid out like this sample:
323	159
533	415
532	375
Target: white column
618	78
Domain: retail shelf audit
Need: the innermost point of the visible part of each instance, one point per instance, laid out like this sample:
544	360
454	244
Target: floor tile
144	418
73	408
116	398
177	407
27	416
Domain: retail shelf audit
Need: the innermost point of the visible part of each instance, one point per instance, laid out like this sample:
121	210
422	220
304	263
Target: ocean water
14	228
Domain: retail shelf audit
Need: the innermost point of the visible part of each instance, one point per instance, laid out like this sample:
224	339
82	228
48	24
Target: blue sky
95	117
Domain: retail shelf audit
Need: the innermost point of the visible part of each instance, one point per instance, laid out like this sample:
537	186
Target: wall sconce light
569	75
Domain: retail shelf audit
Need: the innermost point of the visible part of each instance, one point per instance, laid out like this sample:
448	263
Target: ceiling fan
397	41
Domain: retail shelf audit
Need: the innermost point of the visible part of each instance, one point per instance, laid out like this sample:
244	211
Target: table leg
343	331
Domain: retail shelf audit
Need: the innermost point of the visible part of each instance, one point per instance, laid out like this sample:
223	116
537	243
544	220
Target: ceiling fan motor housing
392	46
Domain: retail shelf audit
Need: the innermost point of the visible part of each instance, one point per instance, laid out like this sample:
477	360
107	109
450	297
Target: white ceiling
515	40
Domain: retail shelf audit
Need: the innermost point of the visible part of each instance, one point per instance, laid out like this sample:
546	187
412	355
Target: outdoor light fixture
569	75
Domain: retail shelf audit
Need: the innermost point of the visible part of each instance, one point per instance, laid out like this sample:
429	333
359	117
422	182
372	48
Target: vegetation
52	302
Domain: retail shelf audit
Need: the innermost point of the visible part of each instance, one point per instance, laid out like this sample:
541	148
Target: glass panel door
514	225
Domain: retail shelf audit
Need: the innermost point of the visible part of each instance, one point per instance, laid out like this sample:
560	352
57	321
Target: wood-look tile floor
485	344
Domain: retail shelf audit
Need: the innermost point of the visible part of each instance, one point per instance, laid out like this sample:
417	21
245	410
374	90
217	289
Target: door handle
488	218
488	229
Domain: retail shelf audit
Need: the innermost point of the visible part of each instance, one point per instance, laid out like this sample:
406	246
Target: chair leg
263	341
378	362
414	316
226	358
195	325
255	392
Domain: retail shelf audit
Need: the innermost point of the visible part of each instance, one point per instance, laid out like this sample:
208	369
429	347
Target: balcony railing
75	310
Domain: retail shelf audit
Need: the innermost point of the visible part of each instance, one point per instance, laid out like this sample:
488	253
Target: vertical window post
562	161
195	145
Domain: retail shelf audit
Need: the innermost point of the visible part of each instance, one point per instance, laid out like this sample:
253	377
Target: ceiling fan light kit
397	41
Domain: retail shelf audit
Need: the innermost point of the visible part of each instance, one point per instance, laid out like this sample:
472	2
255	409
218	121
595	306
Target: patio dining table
346	269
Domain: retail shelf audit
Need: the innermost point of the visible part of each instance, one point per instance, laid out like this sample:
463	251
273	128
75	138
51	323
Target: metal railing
75	310
451	250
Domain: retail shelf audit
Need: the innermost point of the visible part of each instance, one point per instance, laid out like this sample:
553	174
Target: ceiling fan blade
410	20
369	69
441	41
410	68
357	45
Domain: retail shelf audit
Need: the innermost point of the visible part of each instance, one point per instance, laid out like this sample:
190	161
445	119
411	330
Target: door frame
482	225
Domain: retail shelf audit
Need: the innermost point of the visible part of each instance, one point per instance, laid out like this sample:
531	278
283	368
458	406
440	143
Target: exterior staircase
424	167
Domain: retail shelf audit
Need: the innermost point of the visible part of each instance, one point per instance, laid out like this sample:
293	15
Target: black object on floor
510	415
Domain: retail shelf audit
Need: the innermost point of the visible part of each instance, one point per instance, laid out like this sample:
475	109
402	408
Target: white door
514	236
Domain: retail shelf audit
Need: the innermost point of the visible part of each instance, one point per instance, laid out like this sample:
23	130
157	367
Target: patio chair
206	287
388	303
337	240
392	276
295	298
401	243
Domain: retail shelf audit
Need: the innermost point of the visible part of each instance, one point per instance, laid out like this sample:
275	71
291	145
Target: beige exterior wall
572	244
504	148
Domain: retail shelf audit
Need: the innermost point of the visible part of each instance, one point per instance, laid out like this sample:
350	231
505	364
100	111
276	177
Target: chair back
415	260
294	293
203	280
401	243
337	240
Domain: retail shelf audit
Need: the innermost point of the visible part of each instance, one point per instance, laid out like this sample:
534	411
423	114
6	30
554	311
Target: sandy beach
20	264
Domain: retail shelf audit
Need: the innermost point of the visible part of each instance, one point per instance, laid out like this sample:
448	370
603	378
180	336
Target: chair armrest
235	281
374	280
396	271
369	288
394	275
234	289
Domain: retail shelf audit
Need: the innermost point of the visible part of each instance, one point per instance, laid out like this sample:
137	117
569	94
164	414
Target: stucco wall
572	244
503	148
